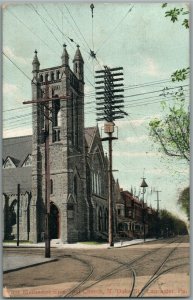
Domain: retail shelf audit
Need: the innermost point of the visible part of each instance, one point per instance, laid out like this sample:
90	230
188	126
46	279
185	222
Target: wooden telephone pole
18	211
109	108
157	200
45	101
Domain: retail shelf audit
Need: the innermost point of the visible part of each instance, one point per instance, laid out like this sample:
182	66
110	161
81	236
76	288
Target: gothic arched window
41	78
46	77
52	76
58	75
51	186
75	186
100	219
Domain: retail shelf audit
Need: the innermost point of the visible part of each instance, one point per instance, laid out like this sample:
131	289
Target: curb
29	266
123	246
25	246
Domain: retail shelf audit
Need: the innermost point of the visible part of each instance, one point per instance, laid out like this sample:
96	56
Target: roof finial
65	56
36	63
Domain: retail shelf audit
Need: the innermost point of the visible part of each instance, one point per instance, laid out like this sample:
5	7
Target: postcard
96	150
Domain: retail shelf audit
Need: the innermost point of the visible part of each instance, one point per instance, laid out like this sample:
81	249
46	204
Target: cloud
134	140
12	93
135	154
157	171
137	122
21	131
10	89
151	67
11	54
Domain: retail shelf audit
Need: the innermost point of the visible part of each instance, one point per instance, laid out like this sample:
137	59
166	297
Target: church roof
89	133
17	148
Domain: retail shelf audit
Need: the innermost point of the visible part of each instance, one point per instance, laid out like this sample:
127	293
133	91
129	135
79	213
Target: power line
40	16
16	66
130	87
115	28
35	34
64	35
129	104
76	26
151	92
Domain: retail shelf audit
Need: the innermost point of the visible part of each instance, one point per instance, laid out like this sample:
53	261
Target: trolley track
123	266
157	273
85	284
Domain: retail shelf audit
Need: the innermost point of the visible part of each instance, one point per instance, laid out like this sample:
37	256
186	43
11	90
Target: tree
172	132
171	224
184	201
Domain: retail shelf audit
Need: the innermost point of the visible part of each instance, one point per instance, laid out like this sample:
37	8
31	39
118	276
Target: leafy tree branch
176	13
171	133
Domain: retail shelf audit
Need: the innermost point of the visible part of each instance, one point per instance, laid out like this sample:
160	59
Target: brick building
130	216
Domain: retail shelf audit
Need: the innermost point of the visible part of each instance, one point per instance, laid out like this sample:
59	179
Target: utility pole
45	101
47	179
157	200
18	209
109	107
144	185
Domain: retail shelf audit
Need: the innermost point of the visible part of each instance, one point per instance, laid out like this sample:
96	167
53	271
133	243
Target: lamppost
144	186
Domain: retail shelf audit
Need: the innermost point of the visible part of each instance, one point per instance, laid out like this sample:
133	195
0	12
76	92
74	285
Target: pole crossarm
109	108
109	103
46	100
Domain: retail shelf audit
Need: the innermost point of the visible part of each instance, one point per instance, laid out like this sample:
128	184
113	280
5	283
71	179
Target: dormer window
28	161
9	164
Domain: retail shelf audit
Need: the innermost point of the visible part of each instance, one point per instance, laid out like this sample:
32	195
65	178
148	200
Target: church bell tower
68	201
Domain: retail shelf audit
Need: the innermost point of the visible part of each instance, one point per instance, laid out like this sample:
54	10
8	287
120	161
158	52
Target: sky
136	37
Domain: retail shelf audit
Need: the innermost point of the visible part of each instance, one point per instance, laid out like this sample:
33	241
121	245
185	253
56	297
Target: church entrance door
54	221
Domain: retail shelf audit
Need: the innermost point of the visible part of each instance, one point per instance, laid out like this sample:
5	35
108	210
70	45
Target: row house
132	215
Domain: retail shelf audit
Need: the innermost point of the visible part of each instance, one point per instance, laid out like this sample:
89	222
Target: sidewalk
14	262
17	262
58	244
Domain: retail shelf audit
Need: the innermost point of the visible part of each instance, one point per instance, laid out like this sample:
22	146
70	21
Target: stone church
78	165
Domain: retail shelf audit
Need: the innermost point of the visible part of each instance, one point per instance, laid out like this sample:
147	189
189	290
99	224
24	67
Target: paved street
154	269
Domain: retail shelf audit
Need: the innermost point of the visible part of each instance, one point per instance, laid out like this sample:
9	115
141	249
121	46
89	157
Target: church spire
36	63
65	56
78	55
78	63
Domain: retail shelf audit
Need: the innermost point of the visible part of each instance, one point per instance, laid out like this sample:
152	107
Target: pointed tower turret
65	56
78	64
36	63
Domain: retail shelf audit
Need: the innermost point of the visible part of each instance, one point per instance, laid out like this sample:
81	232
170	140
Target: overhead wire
50	16
128	103
43	20
114	29
34	33
16	65
130	87
12	123
77	26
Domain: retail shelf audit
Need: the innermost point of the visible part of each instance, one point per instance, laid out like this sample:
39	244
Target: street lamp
144	186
